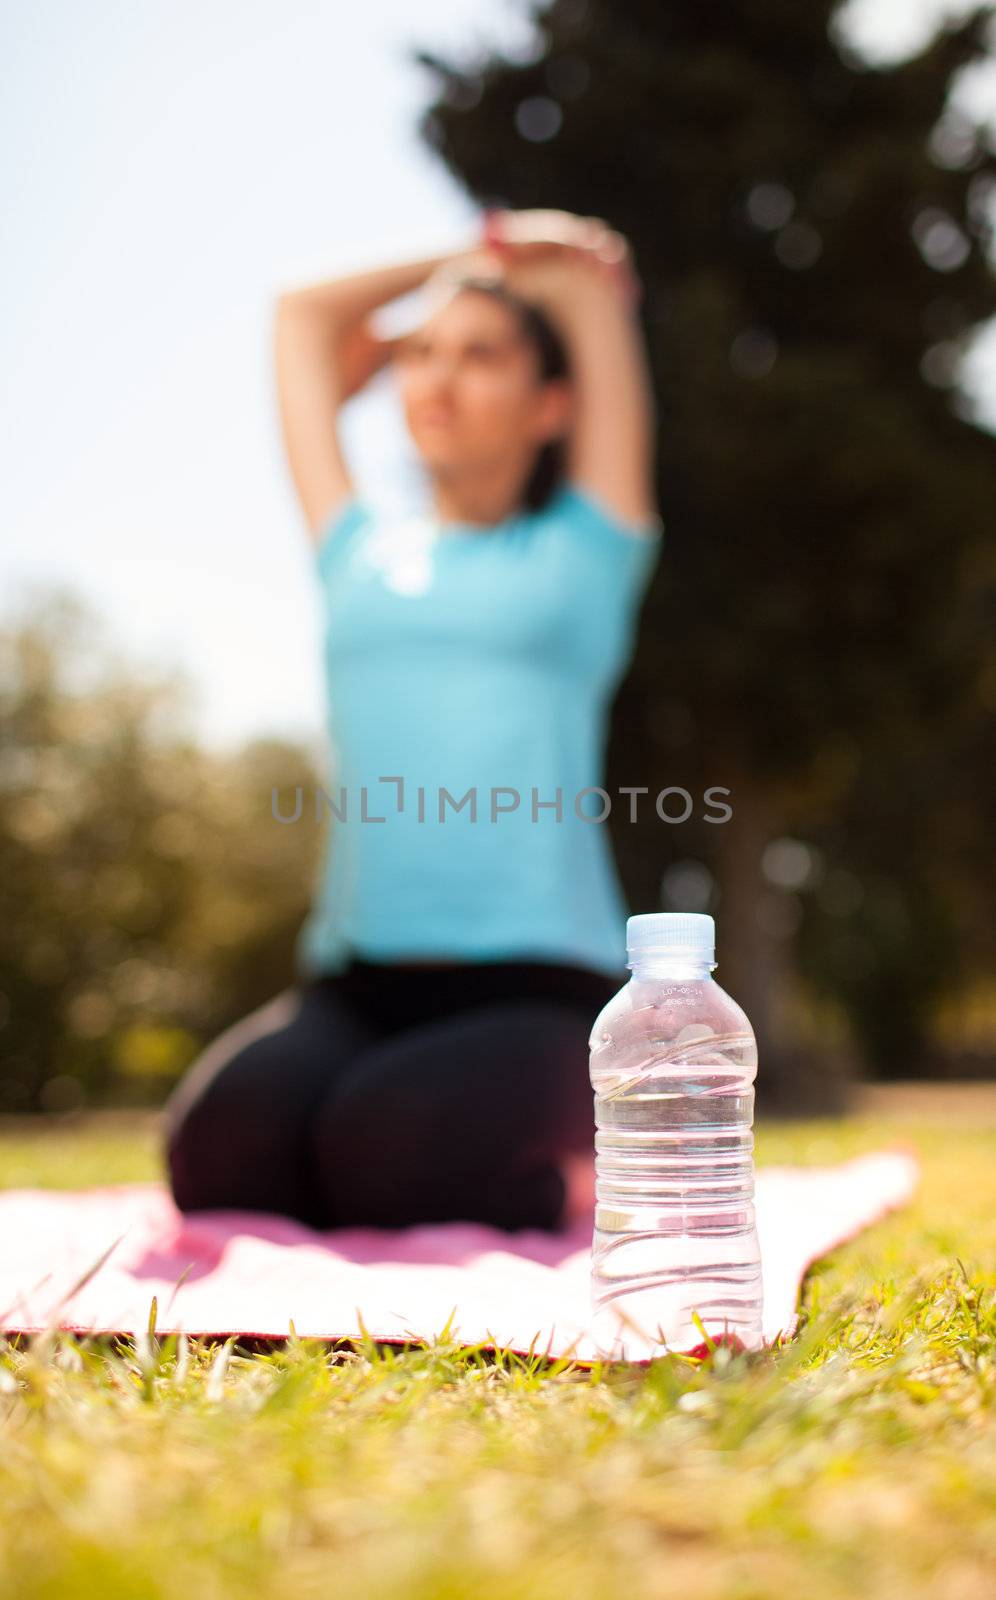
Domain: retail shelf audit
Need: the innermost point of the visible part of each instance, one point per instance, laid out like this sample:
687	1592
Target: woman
431	1062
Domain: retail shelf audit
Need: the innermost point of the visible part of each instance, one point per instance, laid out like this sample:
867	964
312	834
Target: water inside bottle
675	1229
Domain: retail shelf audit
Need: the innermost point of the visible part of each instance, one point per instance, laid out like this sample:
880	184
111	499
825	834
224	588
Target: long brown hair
548	469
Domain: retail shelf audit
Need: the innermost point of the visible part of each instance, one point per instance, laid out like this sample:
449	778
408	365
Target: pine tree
812	234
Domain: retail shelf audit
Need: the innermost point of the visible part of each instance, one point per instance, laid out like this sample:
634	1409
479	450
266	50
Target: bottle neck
670	968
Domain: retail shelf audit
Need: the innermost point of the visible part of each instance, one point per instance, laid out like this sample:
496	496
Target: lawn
861	1459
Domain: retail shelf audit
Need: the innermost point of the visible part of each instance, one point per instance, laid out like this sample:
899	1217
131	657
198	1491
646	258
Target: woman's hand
523	238
539	253
552	281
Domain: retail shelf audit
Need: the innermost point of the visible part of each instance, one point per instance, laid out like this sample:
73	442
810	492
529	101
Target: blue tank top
470	672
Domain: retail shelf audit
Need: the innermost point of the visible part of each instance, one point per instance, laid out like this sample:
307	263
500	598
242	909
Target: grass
859	1459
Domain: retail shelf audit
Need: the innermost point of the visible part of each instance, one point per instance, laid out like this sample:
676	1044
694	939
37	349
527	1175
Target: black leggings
387	1095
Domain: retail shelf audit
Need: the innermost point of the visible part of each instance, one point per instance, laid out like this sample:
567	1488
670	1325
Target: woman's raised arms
326	350
589	290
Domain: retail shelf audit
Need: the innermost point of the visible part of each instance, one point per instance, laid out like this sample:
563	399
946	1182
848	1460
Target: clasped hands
536	252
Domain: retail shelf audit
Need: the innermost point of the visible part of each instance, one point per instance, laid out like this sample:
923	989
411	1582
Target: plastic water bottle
672	1063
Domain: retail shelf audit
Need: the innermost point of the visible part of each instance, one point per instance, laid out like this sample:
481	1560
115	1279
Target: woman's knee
216	1126
205	1078
465	1117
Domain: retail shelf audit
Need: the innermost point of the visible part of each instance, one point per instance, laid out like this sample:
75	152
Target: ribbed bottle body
673	1063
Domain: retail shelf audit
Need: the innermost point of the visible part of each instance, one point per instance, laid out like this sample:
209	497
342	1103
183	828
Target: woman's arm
612	443
326	350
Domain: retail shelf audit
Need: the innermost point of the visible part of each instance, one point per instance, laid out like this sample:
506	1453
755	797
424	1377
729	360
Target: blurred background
810	193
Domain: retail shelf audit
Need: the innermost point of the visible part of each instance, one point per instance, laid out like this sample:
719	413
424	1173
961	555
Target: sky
171	167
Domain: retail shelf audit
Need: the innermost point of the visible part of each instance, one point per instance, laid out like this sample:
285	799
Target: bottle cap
672	933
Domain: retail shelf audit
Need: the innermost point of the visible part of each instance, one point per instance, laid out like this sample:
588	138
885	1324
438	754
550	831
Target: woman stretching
431	1061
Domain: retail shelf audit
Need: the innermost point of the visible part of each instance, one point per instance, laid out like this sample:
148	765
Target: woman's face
470	387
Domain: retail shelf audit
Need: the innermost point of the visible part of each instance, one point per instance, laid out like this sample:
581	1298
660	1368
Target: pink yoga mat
255	1274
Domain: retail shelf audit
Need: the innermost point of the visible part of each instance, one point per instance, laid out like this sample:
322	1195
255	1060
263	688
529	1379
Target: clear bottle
672	1064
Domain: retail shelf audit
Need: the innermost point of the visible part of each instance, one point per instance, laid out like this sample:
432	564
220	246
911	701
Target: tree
811	234
148	898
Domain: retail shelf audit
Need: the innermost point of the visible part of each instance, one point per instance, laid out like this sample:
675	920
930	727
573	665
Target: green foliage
148	897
